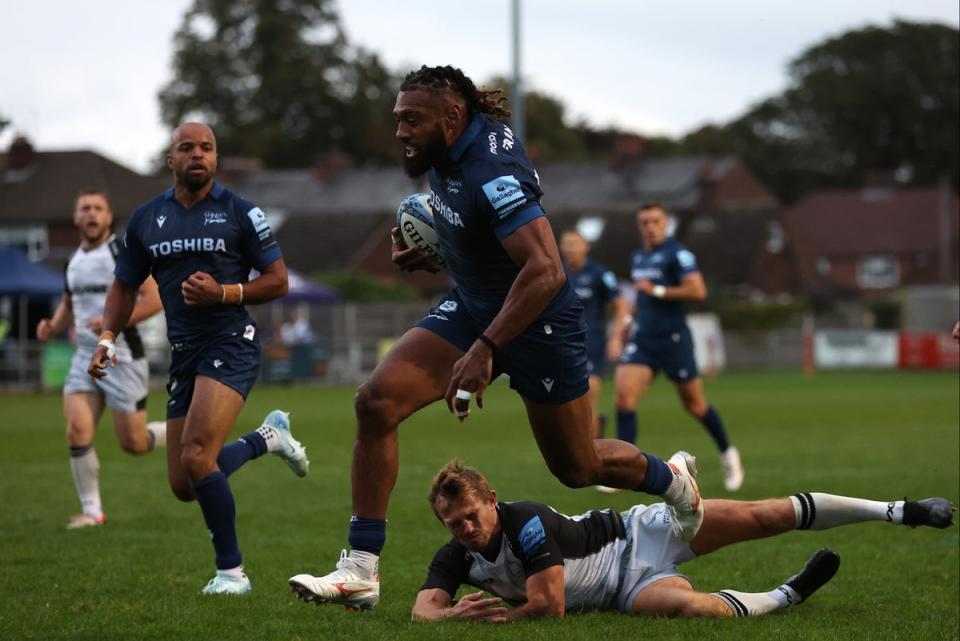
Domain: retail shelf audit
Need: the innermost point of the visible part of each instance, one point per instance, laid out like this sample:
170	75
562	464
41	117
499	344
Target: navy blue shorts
232	358
596	355
672	353
547	363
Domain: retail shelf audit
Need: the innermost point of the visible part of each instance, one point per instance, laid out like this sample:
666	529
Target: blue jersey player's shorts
672	353
547	363
231	358
596	354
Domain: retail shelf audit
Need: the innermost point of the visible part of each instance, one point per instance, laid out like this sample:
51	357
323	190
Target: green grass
877	435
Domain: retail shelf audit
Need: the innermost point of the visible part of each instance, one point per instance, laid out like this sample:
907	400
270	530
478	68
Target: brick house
38	189
865	242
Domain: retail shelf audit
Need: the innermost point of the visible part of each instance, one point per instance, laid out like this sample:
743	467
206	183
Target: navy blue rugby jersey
485	191
222	235
665	265
596	286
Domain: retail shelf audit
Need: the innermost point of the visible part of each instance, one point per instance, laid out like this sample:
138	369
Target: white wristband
659	291
111	347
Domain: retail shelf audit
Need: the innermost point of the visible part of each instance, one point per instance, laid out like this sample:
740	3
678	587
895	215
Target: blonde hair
456	480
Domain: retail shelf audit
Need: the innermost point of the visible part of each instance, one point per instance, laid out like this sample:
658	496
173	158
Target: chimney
21	154
628	149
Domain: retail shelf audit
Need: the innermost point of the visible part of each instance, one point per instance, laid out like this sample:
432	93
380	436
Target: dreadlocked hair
483	101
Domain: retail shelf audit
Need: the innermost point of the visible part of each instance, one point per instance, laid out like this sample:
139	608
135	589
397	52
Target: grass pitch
876	435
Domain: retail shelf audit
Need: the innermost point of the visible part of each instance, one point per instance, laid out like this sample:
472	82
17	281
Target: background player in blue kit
666	275
511	310
597	288
199	241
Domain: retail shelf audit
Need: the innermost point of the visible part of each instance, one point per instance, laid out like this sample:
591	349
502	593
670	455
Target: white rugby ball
415	220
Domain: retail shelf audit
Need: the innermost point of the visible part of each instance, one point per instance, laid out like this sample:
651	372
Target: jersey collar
460	145
215	192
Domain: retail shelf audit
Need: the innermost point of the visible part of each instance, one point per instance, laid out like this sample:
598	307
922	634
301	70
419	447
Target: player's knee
182	490
376	410
696	407
78	434
196	461
132	445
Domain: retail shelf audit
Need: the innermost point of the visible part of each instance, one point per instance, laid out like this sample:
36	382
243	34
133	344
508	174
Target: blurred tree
871	99
549	136
277	80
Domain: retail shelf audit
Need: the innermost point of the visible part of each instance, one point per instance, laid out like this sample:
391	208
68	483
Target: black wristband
483	338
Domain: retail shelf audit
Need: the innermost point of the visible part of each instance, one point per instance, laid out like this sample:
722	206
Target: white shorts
652	552
124	388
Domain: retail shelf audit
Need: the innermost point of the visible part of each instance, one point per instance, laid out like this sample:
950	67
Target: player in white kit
88	277
544	563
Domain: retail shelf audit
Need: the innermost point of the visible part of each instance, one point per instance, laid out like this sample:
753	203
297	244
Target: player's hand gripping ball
415	220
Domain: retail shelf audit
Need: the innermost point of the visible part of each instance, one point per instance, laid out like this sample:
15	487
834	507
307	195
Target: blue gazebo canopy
21	277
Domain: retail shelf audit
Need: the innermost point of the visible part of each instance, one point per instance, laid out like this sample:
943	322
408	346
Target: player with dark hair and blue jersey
200	241
665	276
597	288
511	310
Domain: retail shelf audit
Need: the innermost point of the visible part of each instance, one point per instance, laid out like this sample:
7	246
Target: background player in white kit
88	277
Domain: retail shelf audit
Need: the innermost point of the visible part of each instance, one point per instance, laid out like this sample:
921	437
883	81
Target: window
591	228
775	237
31	239
878	272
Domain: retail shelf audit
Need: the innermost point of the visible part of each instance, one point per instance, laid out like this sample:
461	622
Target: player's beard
429	155
93	235
195	183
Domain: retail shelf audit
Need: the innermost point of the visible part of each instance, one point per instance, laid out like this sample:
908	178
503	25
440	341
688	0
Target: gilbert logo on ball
415	220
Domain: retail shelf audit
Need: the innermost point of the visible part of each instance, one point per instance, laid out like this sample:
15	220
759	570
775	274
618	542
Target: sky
88	77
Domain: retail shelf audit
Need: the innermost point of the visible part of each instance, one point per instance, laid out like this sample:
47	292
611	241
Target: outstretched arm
545	596
534	249
434	604
61	318
621	323
691	288
148	303
116	314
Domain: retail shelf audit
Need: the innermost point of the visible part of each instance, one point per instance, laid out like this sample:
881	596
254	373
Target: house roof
45	190
843	225
373	190
677	182
870	221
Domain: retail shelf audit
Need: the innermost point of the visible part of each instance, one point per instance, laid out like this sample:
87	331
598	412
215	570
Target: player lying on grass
545	564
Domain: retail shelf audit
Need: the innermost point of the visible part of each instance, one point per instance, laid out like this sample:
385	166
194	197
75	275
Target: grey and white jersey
88	278
535	537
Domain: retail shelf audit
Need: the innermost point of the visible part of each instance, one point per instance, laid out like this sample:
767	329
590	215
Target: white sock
158	432
756	603
86	477
233	573
819	511
367	561
271	437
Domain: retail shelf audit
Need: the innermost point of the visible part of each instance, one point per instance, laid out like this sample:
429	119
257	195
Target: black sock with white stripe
819	511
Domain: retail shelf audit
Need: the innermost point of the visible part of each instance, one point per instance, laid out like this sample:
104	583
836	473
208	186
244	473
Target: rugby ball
415	220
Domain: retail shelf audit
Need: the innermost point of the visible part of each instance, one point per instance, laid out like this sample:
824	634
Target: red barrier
928	350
